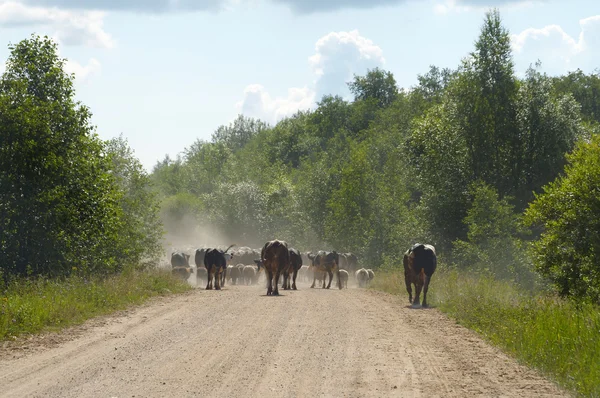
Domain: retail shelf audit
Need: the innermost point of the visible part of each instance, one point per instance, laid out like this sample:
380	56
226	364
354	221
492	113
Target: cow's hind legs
425	289
294	280
269	283
408	288
276	288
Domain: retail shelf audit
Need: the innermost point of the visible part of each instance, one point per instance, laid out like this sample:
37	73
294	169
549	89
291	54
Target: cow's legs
269	282
286	280
418	288
276	288
338	277
330	278
408	287
294	280
425	288
210	274
218	276
314	279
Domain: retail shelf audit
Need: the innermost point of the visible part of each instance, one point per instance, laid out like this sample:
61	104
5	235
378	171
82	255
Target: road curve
239	343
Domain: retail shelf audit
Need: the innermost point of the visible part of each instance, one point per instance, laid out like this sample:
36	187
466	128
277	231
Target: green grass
33	306
553	335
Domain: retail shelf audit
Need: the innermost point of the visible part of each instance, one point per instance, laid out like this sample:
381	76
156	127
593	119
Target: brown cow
420	262
275	258
326	262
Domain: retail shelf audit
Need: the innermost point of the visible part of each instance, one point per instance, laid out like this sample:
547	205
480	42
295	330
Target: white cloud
559	51
338	57
69	27
460	6
260	104
83	73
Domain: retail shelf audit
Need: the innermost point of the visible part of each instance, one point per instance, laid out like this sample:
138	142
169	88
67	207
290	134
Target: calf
420	262
275	258
215	262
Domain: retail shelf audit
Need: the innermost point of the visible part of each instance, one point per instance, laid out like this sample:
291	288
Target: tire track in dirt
237	342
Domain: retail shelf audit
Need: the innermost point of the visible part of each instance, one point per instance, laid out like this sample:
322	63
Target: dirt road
239	343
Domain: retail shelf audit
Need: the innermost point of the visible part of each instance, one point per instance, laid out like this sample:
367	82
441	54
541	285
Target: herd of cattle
276	260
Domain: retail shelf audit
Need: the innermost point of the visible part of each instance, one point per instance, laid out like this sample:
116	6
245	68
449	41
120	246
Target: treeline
70	203
472	160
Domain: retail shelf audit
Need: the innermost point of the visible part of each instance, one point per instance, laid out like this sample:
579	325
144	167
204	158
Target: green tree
490	131
378	84
585	89
142	229
568	210
59	206
239	132
493	245
548	126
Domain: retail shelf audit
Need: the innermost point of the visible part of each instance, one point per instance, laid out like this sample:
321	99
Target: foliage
59	206
142	228
493	246
31	306
552	335
569	212
377	84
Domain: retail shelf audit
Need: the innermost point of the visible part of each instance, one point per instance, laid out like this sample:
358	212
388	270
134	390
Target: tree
585	89
377	84
548	126
568	210
59	206
491	133
239	132
142	228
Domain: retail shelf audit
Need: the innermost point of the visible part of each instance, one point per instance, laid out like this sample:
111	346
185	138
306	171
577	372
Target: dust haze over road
238	342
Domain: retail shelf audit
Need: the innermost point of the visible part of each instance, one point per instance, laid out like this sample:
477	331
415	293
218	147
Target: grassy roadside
33	306
552	335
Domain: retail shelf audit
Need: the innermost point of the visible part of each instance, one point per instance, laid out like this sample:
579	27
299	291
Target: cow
420	262
292	271
362	277
215	262
371	275
326	262
352	262
343	261
201	275
180	259
182	272
343	281
250	272
199	257
275	258
234	274
303	273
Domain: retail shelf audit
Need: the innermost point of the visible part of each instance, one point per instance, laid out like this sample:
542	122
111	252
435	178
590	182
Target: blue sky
167	72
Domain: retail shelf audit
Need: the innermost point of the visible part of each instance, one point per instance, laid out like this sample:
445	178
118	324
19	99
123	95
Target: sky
165	73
